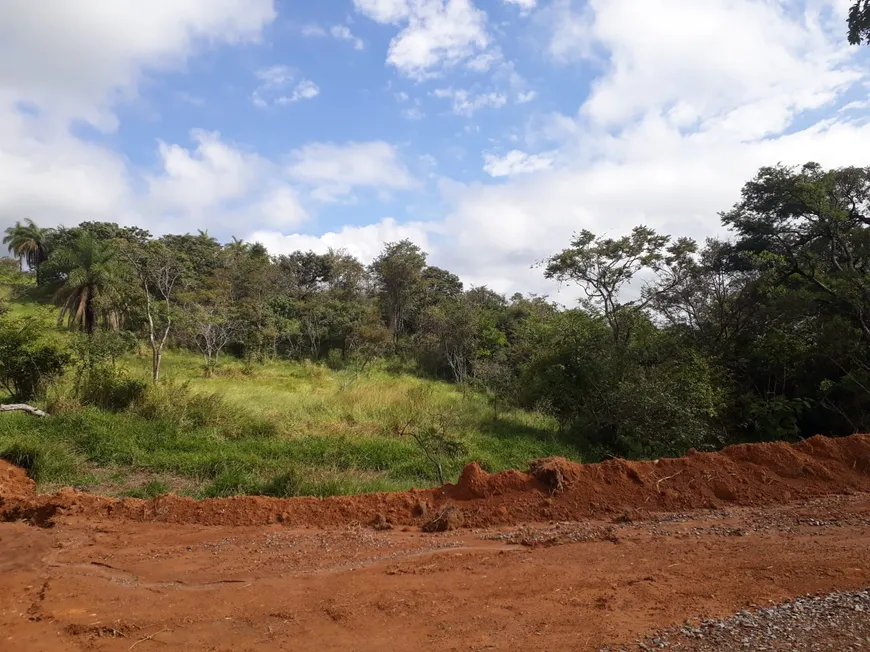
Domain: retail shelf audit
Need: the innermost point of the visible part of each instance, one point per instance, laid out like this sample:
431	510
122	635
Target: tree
29	243
604	267
27	363
431	428
439	285
211	328
859	22
808	230
397	273
90	274
159	272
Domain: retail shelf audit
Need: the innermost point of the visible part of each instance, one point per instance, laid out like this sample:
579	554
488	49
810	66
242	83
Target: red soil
14	482
557	489
120	575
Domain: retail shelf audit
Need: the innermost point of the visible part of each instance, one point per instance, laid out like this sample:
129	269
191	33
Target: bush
27	363
189	410
105	388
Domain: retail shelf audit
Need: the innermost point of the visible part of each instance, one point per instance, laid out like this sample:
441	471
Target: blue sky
488	131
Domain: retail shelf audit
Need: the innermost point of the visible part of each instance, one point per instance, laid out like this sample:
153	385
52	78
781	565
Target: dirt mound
14	482
555	489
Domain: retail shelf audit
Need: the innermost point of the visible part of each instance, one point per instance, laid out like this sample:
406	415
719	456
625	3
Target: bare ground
644	549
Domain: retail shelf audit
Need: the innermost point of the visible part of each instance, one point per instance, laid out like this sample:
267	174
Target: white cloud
672	129
217	183
50	176
437	34
313	31
304	90
414	112
383	11
343	33
525	5
203	178
486	60
279	207
515	162
333	171
76	59
364	242
276	82
784	59
525	98
466	104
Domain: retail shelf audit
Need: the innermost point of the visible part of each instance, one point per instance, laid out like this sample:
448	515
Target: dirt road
85	578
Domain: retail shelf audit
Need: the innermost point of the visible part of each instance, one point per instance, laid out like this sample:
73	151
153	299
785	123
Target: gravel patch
839	621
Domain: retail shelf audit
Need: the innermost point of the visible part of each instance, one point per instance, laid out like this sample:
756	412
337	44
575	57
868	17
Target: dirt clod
381	523
449	518
551	472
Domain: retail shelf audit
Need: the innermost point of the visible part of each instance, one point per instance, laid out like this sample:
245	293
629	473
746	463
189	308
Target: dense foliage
673	345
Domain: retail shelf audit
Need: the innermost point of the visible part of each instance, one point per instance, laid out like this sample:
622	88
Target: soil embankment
554	489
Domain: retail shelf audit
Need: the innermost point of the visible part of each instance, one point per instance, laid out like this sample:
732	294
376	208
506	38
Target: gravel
839	621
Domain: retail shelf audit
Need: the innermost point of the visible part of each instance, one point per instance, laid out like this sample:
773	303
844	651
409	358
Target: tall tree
809	229
91	275
13	240
159	271
603	267
397	273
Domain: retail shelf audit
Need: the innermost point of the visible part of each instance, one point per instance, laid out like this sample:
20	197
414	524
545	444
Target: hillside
278	427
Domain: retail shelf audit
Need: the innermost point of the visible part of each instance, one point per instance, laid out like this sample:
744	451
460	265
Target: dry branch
21	407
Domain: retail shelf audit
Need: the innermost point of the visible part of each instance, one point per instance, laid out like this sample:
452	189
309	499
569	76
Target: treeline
674	345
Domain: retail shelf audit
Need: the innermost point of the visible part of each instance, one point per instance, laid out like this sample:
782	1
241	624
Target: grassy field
283	428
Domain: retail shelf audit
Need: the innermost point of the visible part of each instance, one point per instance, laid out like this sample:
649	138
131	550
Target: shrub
27	363
106	388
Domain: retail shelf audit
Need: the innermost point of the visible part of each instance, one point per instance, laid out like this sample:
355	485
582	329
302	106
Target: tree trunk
156	355
21	407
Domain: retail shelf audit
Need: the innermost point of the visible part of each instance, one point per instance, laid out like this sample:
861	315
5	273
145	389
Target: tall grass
282	428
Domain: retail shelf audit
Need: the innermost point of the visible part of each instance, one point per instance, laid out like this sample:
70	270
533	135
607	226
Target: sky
486	131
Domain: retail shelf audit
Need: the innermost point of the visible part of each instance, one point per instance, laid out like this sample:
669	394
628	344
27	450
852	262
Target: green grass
283	428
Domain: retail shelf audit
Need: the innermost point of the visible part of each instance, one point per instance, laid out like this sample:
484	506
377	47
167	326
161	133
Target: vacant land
521	570
283	427
279	428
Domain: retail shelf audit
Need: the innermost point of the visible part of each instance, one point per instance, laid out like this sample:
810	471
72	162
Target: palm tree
13	240
30	243
93	276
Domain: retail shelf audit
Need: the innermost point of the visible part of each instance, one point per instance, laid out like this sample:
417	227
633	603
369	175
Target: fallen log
21	407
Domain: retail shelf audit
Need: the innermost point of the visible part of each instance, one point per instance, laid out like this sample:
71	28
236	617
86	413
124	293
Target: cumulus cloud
383	11
74	60
671	130
216	183
436	34
333	171
515	162
364	242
